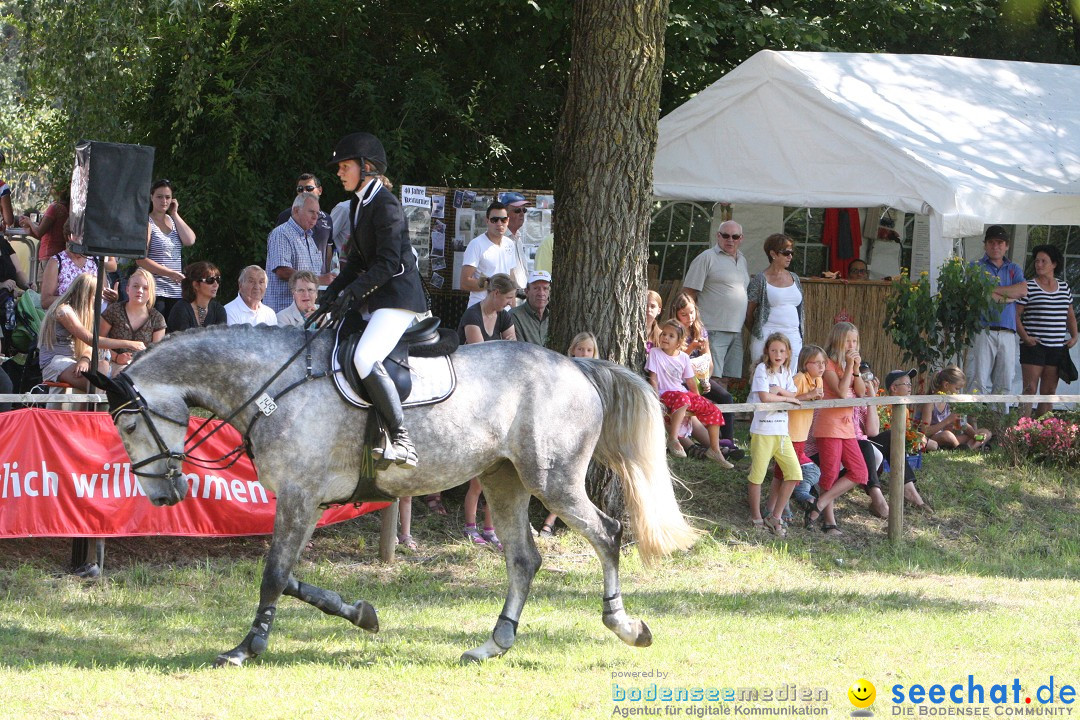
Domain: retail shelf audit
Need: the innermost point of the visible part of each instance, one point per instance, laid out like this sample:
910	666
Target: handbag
1067	368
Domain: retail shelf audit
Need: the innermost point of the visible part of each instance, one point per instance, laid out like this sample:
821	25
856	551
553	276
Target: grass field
986	585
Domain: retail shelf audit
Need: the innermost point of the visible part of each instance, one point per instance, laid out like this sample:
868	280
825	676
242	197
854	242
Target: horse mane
212	330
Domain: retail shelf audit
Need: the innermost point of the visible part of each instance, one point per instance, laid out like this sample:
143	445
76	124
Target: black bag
1066	368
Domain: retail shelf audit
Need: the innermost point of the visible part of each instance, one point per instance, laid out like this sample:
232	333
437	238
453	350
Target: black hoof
230	659
366	617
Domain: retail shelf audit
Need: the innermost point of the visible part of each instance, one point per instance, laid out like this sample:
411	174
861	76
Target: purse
1067	368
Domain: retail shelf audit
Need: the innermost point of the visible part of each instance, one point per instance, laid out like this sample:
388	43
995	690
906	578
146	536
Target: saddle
420	365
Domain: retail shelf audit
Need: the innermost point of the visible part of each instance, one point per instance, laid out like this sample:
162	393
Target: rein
266	405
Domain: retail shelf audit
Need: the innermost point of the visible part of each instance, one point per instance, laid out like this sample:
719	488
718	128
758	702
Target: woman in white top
775	299
166	235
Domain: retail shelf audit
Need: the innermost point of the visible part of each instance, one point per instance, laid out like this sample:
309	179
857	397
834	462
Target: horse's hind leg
566	496
293	525
509	502
361	613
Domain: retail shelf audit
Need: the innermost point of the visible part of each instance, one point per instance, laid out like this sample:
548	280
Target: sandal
547	531
491	538
758	524
474	535
776	527
808	522
435	504
831	530
718	458
406	541
675	448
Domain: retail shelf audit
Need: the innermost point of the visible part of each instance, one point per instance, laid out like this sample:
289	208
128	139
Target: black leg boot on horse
384	396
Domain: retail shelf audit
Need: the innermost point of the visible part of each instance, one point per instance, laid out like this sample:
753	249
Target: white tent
966	142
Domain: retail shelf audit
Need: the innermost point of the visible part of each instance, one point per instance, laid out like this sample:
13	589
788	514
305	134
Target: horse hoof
228	660
471	657
644	636
366	618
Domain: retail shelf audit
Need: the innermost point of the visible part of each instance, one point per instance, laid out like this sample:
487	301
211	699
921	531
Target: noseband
174	460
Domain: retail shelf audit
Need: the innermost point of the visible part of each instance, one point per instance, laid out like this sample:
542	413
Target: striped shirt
165	250
1046	314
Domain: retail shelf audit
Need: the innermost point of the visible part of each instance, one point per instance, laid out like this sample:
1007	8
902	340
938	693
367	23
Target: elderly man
291	247
323	231
248	307
531	318
717	280
996	349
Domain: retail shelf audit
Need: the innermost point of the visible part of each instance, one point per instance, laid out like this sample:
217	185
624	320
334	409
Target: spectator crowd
694	348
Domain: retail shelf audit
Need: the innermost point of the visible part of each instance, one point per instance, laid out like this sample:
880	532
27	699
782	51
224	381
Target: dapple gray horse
523	419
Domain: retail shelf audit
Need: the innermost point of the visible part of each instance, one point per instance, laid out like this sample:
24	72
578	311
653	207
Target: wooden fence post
388	532
897	463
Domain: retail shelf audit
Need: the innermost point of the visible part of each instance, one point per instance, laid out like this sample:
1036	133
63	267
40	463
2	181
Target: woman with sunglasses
775	298
199	309
166	235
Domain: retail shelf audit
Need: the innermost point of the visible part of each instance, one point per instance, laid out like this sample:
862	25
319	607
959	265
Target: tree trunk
603	185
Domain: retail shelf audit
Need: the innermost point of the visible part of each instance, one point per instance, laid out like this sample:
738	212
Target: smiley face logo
862	693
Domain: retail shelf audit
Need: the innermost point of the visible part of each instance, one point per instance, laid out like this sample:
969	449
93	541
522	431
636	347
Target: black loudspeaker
110	198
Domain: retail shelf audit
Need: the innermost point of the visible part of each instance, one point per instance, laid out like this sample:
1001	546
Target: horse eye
128	429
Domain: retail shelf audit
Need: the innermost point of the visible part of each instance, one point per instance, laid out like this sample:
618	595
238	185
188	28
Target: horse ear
101	381
116	394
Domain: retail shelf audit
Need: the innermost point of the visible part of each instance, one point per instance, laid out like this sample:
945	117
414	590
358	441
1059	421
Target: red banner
66	474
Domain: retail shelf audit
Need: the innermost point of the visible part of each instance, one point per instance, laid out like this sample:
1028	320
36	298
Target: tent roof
976	141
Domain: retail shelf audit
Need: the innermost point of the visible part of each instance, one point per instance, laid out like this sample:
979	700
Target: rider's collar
368	192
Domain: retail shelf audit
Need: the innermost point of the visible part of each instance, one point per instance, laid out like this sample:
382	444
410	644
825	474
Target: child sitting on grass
940	424
672	376
769	433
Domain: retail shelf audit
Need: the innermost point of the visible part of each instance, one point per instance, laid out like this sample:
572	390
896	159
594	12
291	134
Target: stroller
22	322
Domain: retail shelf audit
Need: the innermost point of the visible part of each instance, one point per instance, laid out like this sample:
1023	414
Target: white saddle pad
433	380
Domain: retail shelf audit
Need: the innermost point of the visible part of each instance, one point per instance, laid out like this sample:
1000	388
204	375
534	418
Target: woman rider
381	278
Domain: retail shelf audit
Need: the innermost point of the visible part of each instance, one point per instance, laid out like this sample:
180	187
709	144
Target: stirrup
404	452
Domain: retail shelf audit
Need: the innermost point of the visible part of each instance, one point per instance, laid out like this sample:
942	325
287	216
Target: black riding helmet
360	146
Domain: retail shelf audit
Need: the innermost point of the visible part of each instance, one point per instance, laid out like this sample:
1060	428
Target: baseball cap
895	375
513	199
994	232
539	275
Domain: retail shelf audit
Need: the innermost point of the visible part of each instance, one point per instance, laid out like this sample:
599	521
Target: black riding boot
380	388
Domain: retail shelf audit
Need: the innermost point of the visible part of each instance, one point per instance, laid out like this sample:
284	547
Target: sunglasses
211	280
787	253
733	236
304	188
518	211
499	218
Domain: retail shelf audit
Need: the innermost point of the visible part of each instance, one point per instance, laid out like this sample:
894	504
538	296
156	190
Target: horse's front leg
293	525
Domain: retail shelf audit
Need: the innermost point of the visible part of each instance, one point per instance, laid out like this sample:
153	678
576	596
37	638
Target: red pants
833	451
800	452
706	412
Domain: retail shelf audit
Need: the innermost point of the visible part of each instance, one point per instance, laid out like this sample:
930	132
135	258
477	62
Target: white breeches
383	332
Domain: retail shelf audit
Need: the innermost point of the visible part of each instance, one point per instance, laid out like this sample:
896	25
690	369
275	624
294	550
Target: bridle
136	403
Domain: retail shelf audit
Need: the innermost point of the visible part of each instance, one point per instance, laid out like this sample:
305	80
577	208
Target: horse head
150	437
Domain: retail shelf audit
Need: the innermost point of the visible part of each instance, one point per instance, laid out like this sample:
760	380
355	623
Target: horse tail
632	444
